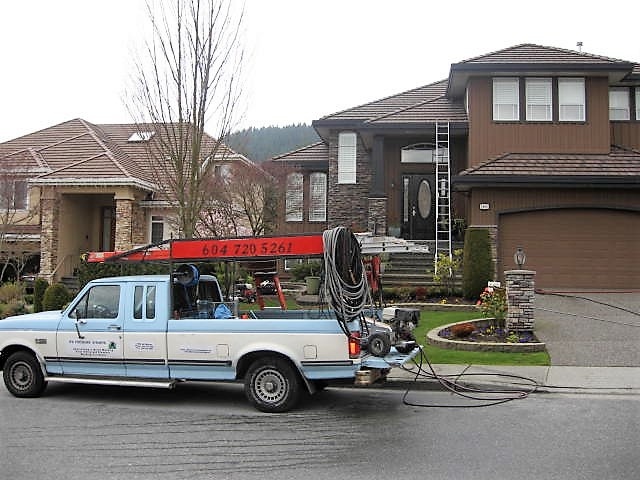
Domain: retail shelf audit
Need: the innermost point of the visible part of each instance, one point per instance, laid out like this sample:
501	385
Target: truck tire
23	376
379	344
272	385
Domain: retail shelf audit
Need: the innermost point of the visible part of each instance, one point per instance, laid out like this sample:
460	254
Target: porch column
124	223
377	211
50	218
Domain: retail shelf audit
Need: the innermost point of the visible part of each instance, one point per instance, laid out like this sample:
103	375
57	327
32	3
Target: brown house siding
626	134
488	139
512	199
348	203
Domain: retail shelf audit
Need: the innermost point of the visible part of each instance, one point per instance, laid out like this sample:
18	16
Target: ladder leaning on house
443	192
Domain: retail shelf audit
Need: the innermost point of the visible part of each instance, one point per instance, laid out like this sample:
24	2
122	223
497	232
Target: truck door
145	331
89	337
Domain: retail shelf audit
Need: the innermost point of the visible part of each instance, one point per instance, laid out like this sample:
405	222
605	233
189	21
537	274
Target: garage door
574	248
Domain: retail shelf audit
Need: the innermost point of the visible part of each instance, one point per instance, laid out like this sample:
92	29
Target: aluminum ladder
443	192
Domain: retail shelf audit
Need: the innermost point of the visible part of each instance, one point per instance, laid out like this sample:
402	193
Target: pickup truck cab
159	330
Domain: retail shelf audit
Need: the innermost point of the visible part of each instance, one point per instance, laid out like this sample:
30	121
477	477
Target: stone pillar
124	224
50	220
520	285
378	216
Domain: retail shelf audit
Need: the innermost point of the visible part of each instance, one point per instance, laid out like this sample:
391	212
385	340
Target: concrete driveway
590	329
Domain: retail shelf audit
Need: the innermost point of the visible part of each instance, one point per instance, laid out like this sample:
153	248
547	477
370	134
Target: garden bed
484	338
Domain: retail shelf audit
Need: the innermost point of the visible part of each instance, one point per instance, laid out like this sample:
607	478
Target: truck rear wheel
272	385
23	376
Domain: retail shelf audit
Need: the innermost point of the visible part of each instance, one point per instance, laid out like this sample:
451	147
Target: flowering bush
493	303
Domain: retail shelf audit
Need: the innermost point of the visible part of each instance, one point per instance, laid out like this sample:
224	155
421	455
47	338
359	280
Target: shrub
493	303
462	330
305	269
10	292
447	269
39	287
477	268
56	296
12	308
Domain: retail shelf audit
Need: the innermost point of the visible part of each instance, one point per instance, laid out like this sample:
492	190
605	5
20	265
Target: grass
430	320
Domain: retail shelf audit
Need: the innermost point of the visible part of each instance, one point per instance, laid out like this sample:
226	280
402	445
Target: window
13	194
137	137
294	197
102	301
638	104
157	229
318	197
619	108
347	157
506	99
571	100
539	99
149	303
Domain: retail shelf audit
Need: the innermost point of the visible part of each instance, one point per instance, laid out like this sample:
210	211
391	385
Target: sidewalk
552	379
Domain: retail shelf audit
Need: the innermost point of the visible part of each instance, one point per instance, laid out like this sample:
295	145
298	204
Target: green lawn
429	320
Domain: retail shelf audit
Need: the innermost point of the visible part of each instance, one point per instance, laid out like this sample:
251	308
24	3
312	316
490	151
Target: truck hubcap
270	386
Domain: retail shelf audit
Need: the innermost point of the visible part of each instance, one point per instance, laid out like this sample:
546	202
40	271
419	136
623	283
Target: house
539	145
78	187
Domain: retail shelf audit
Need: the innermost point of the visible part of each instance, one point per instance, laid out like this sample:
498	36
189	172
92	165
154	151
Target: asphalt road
210	432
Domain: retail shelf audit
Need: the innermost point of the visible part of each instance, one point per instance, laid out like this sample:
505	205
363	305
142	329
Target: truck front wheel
23	376
272	385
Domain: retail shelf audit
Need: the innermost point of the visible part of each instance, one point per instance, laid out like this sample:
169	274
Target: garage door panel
574	248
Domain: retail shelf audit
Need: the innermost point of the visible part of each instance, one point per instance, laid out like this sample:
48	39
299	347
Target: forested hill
260	144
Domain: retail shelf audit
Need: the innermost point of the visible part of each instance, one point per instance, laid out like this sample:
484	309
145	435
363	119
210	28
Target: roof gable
530	58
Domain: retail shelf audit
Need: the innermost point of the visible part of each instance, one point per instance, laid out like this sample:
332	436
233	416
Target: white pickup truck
156	331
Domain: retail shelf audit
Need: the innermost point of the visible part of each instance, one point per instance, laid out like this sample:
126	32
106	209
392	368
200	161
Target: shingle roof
314	152
530	53
619	163
390	105
79	152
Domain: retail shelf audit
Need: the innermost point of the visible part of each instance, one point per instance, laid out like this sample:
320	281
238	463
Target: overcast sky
65	59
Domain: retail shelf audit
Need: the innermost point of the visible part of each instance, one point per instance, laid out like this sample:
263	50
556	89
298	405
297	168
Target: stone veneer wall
348	203
50	218
520	285
139	233
124	224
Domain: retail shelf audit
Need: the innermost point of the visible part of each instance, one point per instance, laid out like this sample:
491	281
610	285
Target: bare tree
244	201
13	215
189	77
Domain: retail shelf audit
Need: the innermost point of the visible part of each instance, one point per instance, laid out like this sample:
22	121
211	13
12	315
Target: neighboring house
539	145
94	188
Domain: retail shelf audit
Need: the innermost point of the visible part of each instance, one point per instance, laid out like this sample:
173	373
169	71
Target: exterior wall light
519	257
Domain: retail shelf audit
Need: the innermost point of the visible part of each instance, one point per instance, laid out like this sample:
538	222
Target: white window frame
539	99
619	103
347	146
294	199
571	99
506	99
318	197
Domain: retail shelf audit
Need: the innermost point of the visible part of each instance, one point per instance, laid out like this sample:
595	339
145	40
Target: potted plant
310	272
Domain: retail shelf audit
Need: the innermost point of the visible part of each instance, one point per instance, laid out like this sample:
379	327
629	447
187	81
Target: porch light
519	257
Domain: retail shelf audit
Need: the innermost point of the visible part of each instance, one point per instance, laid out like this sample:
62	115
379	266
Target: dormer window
138	137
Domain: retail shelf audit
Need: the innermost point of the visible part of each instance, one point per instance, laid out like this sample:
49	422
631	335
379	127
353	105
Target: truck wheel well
245	362
10	350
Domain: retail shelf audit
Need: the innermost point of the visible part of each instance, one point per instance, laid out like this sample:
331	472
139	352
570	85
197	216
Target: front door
418	207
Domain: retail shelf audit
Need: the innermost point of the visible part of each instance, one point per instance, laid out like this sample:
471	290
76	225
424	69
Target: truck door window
101	301
144	298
